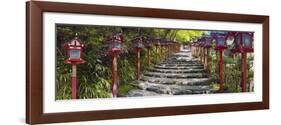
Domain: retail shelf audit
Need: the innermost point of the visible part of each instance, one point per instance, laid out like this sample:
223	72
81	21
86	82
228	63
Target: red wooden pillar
208	60
203	56
197	52
169	51
244	72
138	64
165	51
221	70
206	57
73	78
114	75
191	48
156	61
161	51
148	56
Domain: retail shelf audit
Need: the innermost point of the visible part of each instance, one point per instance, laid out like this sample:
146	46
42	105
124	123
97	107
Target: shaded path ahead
179	74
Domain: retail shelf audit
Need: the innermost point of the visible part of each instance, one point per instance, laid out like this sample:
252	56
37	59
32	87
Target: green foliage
186	35
125	88
99	89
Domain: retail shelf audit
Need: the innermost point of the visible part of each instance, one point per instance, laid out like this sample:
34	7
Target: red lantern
114	49
74	50
208	41
148	43
157	43
243	43
208	44
138	44
220	38
115	44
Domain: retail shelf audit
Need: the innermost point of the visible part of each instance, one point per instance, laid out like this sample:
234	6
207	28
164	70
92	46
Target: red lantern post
74	50
161	51
207	46
202	50
115	47
220	46
157	44
164	48
193	49
138	46
243	44
148	44
169	48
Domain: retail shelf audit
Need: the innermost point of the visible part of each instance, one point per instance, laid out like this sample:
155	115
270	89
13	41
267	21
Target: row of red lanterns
74	50
243	43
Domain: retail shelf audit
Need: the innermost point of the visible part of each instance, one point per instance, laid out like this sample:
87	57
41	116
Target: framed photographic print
95	62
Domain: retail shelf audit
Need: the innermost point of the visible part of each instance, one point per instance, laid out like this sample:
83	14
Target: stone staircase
179	74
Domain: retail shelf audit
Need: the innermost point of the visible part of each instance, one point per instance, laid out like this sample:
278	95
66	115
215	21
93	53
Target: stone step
173	61
180	55
177	70
174	89
179	67
179	74
189	81
176	75
139	92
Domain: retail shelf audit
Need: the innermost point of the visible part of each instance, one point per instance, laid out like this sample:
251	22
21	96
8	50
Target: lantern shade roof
220	37
74	44
74	51
243	42
114	43
148	41
138	42
157	41
216	34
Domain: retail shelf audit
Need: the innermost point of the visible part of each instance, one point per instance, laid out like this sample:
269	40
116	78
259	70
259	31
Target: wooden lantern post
196	49
148	44
165	48
220	46
202	51
169	48
207	45
161	51
148	55
115	48
243	44
138	45
138	63
156	61
157	45
114	75
74	50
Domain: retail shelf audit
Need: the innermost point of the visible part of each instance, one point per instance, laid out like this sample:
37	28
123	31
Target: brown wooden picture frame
34	61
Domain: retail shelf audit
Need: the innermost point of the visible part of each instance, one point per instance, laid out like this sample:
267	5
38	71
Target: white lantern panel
247	40
74	54
221	41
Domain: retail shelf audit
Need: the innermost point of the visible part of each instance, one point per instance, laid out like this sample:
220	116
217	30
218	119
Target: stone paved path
179	74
